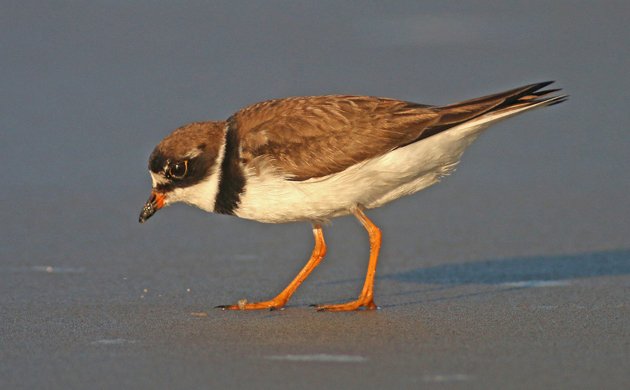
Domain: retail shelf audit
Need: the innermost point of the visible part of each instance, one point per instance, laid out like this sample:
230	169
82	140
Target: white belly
372	183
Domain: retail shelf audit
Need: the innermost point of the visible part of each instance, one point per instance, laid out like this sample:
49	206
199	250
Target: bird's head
185	167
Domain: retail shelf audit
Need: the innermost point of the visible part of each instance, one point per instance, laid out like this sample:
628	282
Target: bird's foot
359	304
244	305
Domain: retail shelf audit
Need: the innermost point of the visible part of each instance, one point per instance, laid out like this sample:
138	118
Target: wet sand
456	311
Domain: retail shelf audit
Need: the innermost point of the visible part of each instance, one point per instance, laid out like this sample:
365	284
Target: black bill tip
155	202
147	211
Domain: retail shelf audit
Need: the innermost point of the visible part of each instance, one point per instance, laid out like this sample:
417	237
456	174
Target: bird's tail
481	112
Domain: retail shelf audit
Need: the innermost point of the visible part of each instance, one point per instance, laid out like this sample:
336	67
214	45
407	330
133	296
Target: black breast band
232	180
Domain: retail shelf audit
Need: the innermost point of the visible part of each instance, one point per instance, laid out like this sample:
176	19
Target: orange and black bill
155	202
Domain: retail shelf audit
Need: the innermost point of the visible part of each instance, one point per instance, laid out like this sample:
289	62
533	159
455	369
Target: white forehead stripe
156	178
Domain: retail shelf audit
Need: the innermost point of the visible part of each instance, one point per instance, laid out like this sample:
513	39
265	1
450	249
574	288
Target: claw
349	306
244	305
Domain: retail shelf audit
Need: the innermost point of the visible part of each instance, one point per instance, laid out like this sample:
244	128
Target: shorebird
320	157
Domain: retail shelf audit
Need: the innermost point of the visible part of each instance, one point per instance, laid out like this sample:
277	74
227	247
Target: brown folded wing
309	137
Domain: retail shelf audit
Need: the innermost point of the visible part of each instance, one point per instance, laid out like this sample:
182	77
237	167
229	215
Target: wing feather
310	137
317	136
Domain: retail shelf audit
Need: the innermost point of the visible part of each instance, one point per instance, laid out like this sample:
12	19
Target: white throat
204	193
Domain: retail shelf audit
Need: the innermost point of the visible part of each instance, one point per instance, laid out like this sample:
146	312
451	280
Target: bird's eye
178	170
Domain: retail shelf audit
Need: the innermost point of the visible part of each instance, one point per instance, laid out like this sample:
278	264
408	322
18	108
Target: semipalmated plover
319	157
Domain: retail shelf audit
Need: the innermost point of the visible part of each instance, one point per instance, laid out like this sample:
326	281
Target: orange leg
366	299
319	251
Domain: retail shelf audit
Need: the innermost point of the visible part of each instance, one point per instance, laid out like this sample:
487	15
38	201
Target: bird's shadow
511	273
522	269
